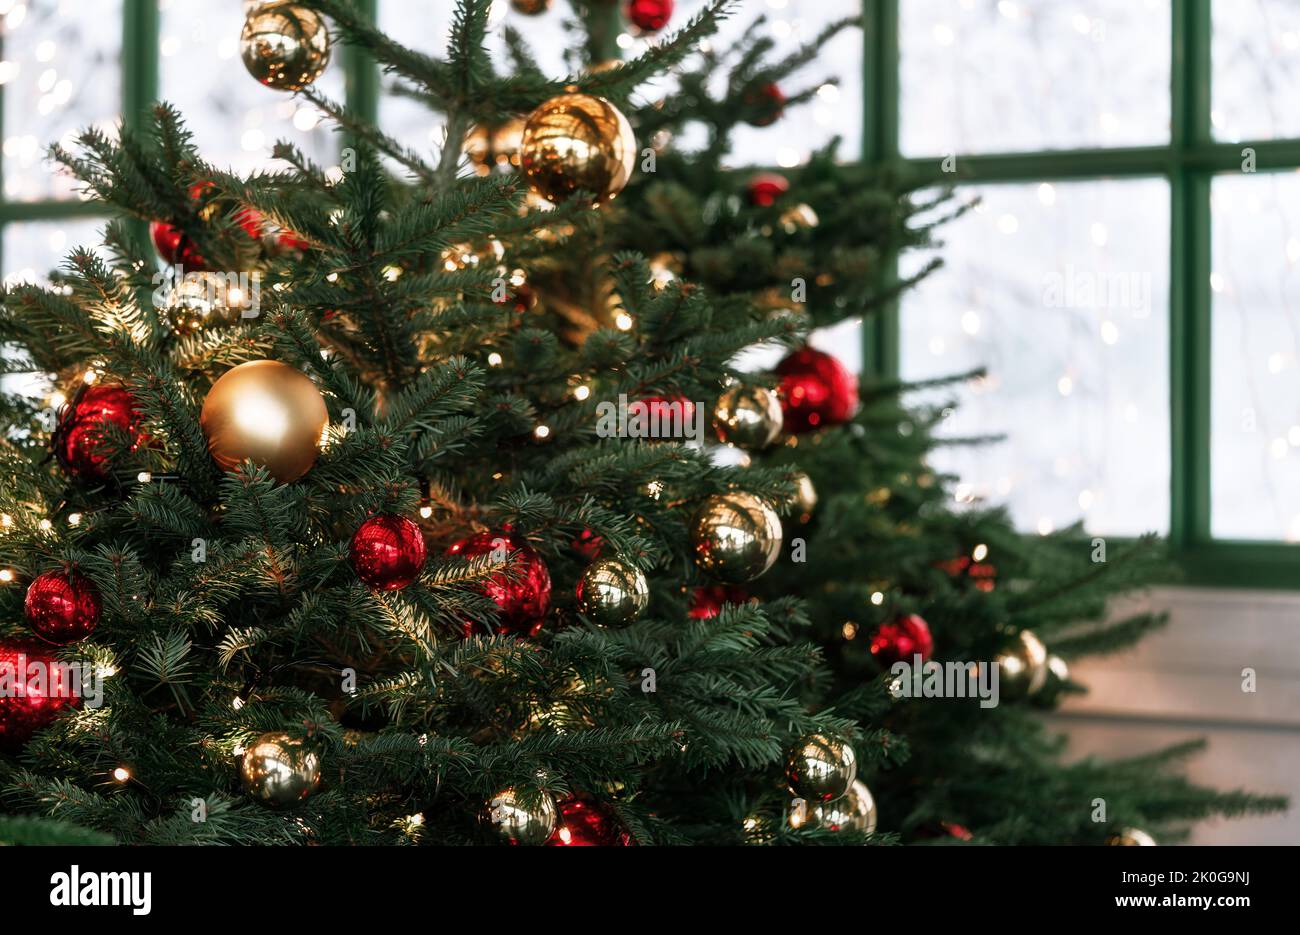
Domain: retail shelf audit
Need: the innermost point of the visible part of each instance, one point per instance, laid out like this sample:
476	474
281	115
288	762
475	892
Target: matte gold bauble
495	147
748	417
820	769
267	412
612	592
1022	668
202	300
577	142
736	537
855	811
285	46
280	770
1131	837
514	819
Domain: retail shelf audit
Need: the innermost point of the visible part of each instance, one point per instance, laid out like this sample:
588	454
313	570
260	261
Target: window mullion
880	331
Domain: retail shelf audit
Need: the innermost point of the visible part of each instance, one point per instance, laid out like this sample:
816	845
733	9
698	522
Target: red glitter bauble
901	639
766	104
387	552
588	824
648	15
707	602
79	441
37	689
523	593
61	607
816	390
765	188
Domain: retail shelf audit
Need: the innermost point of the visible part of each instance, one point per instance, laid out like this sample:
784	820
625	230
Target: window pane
1256	50
1255	369
61	72
1061	291
1020	75
234	119
33	249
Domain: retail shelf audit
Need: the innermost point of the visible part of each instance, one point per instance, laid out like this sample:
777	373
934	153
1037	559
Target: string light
122	774
850	630
144	477
494	359
623	321
45	525
980	552
90	376
542	432
877	598
236	702
6	575
426	511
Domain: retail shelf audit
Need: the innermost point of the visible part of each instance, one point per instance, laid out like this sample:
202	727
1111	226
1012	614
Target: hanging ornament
983	574
748	417
387	552
62	607
577	142
79	439
588	544
764	104
530	7
202	300
588	824
805	496
648	15
175	247
1022	668
612	592
37	689
1131	837
820	768
519	821
736	537
660	417
495	147
799	217
765	188
268	412
285	46
280	770
707	602
816	390
855	811
523	595
901	639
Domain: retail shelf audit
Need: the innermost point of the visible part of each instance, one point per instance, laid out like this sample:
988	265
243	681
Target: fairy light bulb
45	525
144	477
426	511
122	774
980	552
581	392
6	575
494	359
542	432
623	321
74	519
90	376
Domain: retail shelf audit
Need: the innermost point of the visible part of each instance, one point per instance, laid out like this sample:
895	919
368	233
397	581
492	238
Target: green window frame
1188	162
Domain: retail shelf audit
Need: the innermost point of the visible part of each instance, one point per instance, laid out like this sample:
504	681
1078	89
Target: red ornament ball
62	607
175	247
765	105
660	417
816	390
648	15
765	188
707	602
588	824
387	552
589	544
38	688
79	442
523	594
901	639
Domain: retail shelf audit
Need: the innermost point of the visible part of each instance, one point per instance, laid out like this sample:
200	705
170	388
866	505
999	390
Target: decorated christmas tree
500	497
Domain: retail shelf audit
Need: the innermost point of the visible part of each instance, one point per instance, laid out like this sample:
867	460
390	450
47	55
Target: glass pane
1256	50
61	72
1061	291
234	119
33	249
1255	361
1019	75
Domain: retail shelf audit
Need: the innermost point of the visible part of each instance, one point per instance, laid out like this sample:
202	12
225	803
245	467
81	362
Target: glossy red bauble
588	824
707	602
175	247
387	552
765	104
588	544
661	417
37	688
79	442
765	188
62	607
816	390
523	593
648	15
902	639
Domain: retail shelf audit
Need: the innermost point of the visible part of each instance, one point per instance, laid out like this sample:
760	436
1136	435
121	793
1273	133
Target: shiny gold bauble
805	497
285	46
268	412
820	769
799	217
612	592
530	7
855	811
736	537
511	821
577	142
1022	669
748	417
280	770
1131	837
495	147
202	300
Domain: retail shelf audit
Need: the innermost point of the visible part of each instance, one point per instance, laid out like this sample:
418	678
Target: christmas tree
446	500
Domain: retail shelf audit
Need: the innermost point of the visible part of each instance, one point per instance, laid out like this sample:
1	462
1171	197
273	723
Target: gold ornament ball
530	7
285	46
518	820
1022	669
820	769
495	147
201	300
805	496
748	417
736	537
280	770
612	592
1131	837
855	811
268	412
799	217
577	142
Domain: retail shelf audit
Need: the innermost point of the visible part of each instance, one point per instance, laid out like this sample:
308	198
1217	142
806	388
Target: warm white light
6	575
236	702
877	598
45	525
426	511
542	431
90	376
980	552
494	359
57	399
144	477
581	392
121	774
623	321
